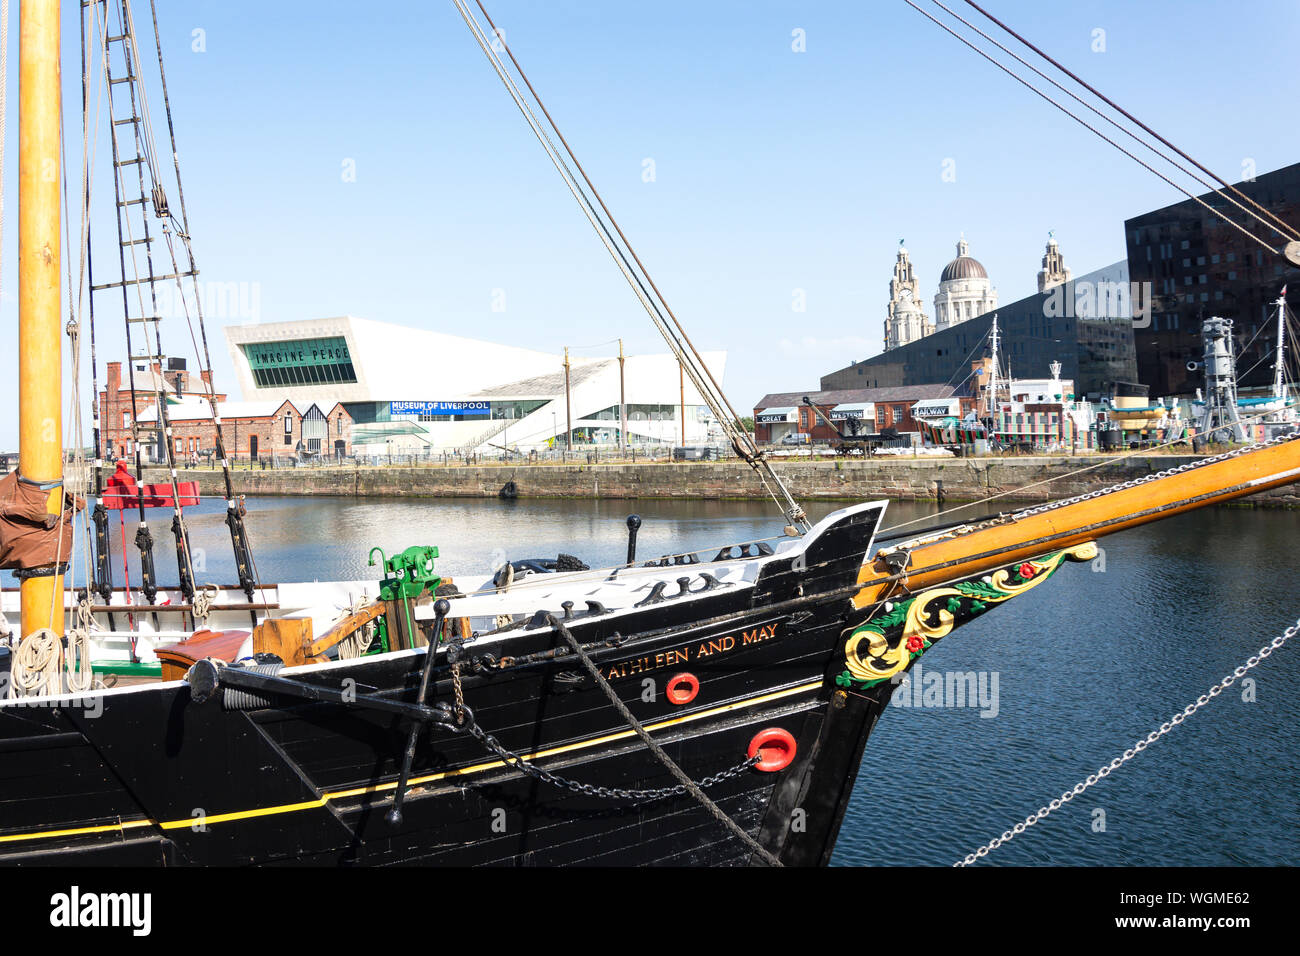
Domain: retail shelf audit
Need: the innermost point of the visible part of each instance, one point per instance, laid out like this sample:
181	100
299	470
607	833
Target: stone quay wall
1019	480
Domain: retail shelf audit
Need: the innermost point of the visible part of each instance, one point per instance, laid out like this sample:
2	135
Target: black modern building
1199	266
1085	324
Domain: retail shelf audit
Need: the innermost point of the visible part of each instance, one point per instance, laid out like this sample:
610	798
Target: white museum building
412	391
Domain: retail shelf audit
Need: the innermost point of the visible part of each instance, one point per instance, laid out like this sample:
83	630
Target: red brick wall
199	437
116	435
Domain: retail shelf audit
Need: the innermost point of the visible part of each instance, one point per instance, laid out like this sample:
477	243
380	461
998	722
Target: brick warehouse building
270	428
872	409
255	431
116	428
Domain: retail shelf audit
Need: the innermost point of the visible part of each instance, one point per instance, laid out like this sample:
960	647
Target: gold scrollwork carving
881	662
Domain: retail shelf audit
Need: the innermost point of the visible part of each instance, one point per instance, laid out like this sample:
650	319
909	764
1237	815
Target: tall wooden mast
40	360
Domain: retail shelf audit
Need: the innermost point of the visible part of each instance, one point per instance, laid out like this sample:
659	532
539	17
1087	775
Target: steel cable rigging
1272	222
1293	233
629	263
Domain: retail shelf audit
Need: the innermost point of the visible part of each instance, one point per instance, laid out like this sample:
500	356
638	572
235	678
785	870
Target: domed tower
1054	271
964	290
905	320
908	322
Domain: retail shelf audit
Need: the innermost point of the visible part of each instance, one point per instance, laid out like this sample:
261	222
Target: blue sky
775	171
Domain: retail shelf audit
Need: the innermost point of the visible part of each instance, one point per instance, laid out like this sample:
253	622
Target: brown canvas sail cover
29	537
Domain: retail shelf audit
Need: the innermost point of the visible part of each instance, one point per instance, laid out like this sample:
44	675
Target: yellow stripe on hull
414	781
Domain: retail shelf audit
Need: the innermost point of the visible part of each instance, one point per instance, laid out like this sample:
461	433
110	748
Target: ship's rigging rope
637	276
1133	751
37	667
172	228
1293	234
40	667
691	787
1267	354
234	504
145	153
1285	230
1287	235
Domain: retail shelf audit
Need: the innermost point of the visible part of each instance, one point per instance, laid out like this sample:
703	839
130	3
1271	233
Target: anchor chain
606	793
714	810
453	656
1133	751
465	722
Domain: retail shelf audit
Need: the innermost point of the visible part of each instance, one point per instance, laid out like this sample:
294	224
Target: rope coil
37	667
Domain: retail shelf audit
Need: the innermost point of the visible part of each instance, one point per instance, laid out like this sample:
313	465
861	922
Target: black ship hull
148	775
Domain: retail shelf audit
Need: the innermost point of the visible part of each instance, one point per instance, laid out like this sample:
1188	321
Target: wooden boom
926	561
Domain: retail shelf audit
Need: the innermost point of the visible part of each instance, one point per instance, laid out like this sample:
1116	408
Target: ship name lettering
719	645
758	634
684	655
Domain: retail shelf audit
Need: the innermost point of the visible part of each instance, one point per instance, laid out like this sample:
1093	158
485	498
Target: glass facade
639	413
369	413
323	361
1199	266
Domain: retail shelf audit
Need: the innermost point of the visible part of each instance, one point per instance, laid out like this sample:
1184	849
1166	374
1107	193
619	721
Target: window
323	361
288	424
126	419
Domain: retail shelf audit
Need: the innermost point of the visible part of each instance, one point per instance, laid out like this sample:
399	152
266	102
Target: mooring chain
607	793
1136	749
717	812
453	657
463	721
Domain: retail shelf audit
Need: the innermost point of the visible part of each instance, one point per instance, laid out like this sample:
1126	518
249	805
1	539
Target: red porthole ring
682	688
774	749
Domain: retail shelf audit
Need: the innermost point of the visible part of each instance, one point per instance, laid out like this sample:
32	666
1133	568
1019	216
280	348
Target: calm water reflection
1085	666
